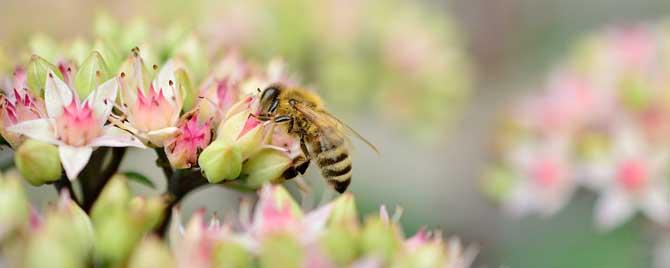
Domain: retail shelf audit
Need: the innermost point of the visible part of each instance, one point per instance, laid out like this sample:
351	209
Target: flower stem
93	180
64	183
164	163
182	182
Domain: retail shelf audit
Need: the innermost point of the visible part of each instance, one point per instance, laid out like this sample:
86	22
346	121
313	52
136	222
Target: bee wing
328	121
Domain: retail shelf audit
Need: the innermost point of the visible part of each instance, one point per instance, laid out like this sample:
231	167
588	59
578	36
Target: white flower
633	178
76	127
545	179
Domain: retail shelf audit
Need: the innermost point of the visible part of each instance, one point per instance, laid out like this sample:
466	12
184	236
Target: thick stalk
95	180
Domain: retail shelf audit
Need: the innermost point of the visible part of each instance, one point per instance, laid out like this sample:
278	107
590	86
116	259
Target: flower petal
656	205
613	209
56	95
102	99
38	129
115	137
74	159
157	137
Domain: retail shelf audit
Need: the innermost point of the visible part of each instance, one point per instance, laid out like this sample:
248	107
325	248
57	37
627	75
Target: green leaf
139	178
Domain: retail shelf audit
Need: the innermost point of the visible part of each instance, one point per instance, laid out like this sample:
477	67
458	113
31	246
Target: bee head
269	100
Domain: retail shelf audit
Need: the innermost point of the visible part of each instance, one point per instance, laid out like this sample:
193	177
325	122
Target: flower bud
268	165
151	252
344	211
91	73
115	237
379	238
221	161
498	183
38	162
230	254
114	197
243	130
37	74
281	250
14	208
340	244
69	216
146	213
46	251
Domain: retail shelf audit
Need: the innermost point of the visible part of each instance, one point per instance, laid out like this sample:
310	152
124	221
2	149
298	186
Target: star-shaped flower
77	127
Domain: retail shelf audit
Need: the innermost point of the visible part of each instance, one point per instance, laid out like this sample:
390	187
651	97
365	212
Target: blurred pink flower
193	136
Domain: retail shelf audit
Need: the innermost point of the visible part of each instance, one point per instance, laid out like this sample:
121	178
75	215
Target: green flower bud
14	208
150	253
38	162
340	244
221	161
45	251
428	255
231	129
91	73
498	183
379	238
79	50
115	237
109	54
344	212
37	74
44	46
268	165
281	251
147	213
192	52
232	255
114	197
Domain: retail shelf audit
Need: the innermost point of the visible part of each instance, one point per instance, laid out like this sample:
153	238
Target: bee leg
282	118
302	167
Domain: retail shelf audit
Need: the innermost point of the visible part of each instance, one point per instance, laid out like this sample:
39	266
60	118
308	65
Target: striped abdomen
332	157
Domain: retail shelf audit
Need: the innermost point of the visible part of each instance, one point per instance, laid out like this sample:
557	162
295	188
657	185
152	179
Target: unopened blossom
151	108
193	136
633	178
76	126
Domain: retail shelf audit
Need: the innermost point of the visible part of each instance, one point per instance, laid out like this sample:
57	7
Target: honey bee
323	137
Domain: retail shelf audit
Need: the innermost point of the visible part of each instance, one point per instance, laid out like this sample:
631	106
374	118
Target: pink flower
76	127
15	108
193	136
152	109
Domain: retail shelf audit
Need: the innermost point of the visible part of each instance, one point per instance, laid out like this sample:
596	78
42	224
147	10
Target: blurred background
425	81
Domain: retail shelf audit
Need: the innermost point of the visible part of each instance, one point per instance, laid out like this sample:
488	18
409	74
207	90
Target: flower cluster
600	122
411	70
66	112
276	233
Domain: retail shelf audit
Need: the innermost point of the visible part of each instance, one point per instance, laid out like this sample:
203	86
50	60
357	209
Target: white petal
656	205
157	137
38	129
162	81
521	201
102	99
56	95
314	222
74	159
613	209
115	137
